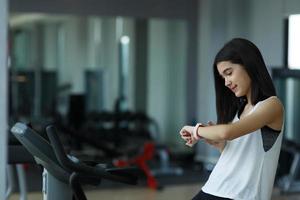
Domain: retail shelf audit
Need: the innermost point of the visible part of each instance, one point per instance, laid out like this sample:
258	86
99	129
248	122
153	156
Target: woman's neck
248	96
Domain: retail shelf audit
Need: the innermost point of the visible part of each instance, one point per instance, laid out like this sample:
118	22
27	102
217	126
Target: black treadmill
64	174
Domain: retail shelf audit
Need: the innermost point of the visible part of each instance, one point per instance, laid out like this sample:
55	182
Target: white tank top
247	166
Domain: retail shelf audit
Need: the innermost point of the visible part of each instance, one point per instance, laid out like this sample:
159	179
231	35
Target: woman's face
236	78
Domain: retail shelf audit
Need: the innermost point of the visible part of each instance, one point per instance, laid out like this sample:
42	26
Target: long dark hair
243	52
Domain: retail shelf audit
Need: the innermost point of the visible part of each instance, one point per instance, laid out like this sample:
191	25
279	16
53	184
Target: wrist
196	131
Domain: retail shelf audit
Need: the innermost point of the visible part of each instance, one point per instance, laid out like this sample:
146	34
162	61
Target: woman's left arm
270	111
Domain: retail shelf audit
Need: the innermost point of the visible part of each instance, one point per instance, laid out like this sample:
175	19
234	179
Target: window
294	42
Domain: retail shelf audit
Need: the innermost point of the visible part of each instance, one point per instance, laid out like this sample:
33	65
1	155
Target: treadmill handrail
81	167
40	149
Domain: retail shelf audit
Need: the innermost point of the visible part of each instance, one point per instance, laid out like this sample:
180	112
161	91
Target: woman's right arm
220	145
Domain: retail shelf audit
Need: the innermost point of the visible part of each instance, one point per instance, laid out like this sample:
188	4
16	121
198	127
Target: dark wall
132	8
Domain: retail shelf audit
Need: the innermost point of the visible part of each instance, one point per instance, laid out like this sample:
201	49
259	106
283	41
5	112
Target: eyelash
228	74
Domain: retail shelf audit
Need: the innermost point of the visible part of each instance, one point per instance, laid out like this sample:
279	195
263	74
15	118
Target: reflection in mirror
65	68
56	56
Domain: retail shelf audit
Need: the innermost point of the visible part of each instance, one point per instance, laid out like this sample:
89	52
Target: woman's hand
220	145
190	136
186	134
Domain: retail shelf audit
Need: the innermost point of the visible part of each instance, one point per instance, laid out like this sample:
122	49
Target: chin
238	94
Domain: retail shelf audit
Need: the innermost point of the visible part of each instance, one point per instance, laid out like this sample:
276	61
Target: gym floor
176	192
173	187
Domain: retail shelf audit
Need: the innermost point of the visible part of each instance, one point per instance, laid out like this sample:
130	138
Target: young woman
249	128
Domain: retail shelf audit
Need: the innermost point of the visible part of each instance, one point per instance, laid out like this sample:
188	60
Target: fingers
184	131
185	135
186	138
191	143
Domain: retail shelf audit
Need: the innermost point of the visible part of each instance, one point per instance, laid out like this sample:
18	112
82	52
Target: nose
227	82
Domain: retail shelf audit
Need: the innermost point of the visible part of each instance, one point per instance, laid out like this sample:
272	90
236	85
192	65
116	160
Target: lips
233	88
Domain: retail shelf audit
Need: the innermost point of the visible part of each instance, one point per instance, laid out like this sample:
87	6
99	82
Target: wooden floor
180	192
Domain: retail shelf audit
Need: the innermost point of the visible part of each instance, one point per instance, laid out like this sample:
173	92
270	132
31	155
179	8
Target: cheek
237	78
247	78
246	81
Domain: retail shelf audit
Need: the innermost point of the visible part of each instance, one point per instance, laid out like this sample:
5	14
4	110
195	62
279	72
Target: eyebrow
227	69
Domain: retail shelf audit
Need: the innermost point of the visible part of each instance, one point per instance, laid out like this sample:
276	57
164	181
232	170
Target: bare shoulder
274	108
273	102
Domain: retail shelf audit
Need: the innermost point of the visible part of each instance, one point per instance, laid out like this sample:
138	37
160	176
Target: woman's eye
229	73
